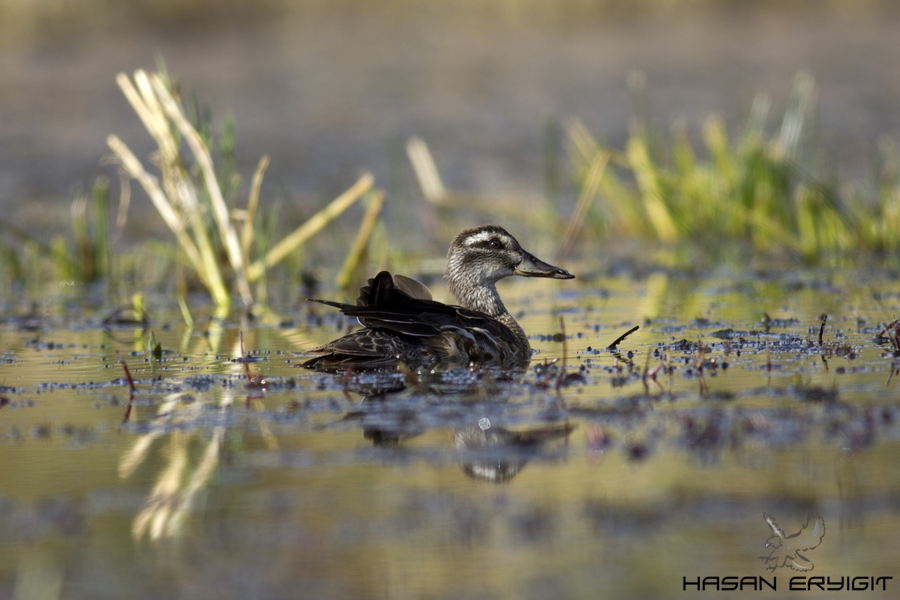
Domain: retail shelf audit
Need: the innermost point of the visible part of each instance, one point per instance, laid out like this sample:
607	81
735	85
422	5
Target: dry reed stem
185	313
426	171
176	198
362	240
252	202
437	194
581	141
311	227
588	192
217	201
150	183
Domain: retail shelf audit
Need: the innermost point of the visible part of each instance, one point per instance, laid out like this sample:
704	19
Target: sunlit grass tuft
751	187
188	194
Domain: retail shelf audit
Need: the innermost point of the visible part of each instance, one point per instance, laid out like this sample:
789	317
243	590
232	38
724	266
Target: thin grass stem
588	192
426	171
357	251
247	233
311	227
217	201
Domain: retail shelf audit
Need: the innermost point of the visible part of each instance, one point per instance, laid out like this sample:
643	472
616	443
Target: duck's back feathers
401	326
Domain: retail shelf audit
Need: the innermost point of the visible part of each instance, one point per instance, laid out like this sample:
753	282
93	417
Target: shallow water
603	482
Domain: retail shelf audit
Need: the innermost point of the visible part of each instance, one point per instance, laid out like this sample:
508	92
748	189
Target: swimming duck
401	323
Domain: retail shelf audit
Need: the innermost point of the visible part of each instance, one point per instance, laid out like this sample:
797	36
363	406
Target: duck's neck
478	295
483	296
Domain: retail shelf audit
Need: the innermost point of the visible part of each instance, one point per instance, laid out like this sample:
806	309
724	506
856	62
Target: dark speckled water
621	473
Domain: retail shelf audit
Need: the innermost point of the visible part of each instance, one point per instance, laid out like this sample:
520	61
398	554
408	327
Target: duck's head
484	255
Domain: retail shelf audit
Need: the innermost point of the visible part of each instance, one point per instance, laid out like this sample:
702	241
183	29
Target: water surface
601	474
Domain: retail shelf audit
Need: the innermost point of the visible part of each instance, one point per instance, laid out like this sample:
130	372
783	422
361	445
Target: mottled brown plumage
401	323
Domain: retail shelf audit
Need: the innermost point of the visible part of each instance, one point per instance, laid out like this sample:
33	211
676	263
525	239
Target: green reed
86	257
754	186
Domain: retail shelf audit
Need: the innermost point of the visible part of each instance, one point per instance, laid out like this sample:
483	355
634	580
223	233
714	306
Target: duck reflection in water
491	453
485	452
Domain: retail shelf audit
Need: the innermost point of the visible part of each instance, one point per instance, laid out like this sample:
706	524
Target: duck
402	324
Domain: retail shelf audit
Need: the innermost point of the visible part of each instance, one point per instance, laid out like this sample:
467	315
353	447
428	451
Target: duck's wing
411	287
383	305
422	318
386	288
362	349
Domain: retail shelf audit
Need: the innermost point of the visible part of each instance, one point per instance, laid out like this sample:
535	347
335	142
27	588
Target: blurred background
330	89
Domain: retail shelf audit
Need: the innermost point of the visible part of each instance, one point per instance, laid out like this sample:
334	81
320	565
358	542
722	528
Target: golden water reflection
604	487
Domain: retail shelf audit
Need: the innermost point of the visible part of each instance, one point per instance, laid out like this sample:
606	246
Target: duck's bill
535	267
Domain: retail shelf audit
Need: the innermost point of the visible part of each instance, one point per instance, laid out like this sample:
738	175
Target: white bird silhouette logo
786	548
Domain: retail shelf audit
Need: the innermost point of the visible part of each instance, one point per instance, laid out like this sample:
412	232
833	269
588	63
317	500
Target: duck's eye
495	243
